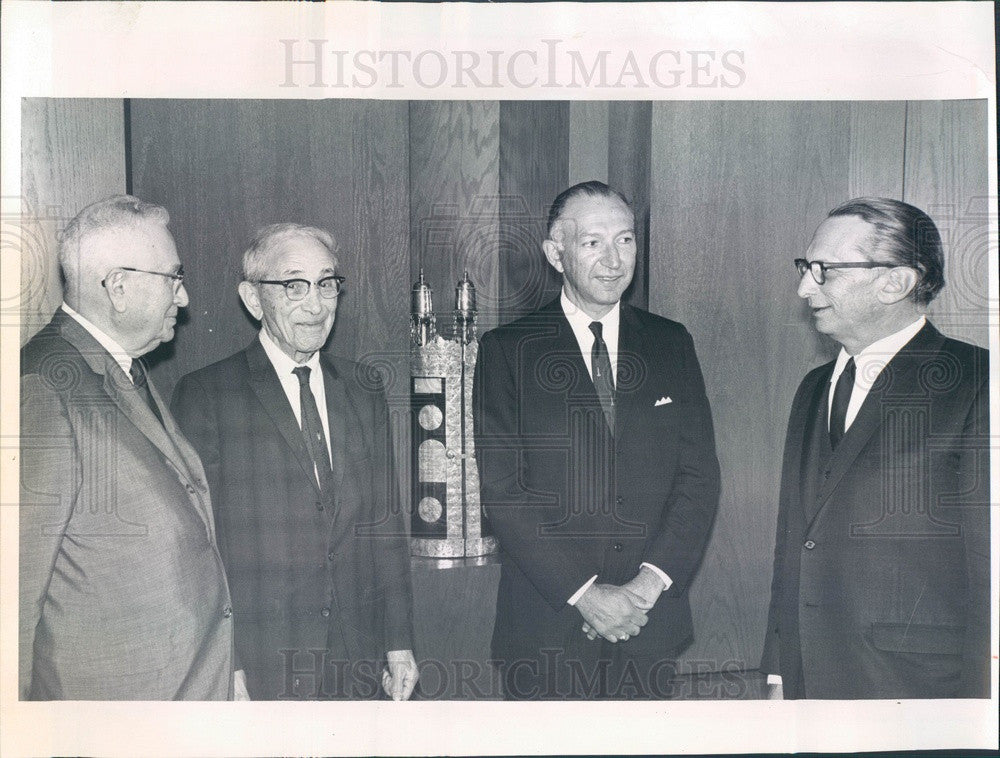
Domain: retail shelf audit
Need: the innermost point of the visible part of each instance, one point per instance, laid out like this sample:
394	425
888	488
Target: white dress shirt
868	364
122	358
284	366
580	323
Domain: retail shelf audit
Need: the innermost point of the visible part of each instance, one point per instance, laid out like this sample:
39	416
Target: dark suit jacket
122	590
568	500
306	574
881	568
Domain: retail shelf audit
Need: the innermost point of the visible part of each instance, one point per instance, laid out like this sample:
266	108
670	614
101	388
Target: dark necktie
604	382
841	399
141	383
312	430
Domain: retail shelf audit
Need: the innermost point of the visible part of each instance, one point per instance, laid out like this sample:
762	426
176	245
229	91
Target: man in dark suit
123	595
598	471
296	446
881	567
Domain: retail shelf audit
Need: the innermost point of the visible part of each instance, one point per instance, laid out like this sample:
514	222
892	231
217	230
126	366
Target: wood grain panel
737	190
947	177
629	157
225	168
534	168
454	201
876	160
588	141
453	611
72	153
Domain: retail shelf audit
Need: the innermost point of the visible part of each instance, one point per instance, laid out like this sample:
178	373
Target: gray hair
269	237
906	235
119	212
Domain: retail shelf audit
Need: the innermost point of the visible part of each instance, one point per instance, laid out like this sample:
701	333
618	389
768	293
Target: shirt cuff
773	679
667	581
579	593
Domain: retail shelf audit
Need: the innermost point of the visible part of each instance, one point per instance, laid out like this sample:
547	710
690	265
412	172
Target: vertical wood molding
72	154
737	190
629	161
588	141
946	176
534	168
454	201
876	158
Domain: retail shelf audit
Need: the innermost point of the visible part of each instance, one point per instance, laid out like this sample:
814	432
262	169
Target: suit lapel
564	343
264	382
336	413
632	355
896	380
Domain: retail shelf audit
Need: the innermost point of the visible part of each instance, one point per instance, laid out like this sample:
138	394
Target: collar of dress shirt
868	364
282	363
122	358
580	323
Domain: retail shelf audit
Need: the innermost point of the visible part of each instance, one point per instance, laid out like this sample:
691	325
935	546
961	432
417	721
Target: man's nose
807	285
313	301
611	256
181	296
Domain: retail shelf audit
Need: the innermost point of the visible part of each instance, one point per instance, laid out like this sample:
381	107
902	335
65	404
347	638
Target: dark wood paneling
946	176
876	160
737	190
629	156
454	196
225	168
588	141
72	153
534	168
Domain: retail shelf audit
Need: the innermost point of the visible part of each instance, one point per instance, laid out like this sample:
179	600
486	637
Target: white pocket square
662	401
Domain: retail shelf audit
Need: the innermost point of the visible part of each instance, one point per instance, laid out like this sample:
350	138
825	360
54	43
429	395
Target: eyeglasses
177	276
818	269
296	289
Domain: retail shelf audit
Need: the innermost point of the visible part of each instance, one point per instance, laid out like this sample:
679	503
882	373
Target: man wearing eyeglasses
123	594
296	447
881	567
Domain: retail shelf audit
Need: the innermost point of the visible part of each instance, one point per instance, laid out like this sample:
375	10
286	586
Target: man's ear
553	254
251	299
897	284
114	285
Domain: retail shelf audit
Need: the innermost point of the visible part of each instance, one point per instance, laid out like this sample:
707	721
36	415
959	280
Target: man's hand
400	675
240	691
644	588
775	692
611	612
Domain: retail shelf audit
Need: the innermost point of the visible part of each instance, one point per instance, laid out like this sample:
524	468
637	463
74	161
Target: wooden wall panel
72	153
534	168
588	141
876	160
946	175
736	192
629	156
225	168
454	201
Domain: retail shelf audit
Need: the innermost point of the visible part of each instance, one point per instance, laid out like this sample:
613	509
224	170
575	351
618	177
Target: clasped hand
615	613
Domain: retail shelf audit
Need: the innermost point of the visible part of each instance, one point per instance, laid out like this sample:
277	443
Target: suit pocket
918	638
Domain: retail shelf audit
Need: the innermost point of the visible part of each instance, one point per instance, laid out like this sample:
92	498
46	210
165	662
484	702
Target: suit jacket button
617	547
227	611
809	545
319	507
826	474
325	613
329	556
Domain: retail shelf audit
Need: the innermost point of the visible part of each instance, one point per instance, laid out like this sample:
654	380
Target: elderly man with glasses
881	579
296	447
123	595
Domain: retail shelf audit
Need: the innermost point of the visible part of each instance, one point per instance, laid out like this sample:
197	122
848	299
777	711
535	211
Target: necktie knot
138	375
302	372
597	328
